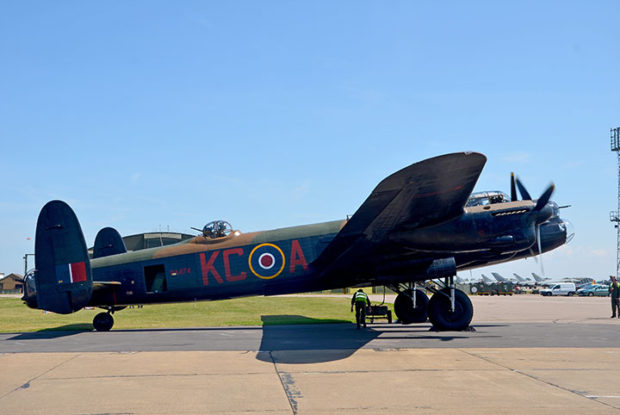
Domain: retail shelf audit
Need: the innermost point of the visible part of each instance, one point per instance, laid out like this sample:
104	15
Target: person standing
614	290
360	299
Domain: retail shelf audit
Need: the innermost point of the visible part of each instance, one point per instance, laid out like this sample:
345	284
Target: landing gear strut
448	308
446	316
411	306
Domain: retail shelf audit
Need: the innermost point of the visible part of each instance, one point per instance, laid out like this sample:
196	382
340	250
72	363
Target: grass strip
250	311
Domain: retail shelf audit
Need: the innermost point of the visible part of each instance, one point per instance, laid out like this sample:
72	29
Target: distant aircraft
524	282
538	278
521	279
421	223
499	278
548	281
542	281
487	280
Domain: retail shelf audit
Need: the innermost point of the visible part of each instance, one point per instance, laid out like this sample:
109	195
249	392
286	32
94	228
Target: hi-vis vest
360	297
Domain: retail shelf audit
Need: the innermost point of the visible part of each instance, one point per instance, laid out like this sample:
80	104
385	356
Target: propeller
542	267
513	188
539	219
542	200
523	190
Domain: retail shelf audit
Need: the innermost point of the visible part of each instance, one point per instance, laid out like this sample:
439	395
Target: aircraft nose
569	230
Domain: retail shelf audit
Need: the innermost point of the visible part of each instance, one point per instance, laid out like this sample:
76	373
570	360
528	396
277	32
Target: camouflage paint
230	266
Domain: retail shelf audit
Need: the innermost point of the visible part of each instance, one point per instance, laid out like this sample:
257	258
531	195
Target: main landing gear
448	308
105	321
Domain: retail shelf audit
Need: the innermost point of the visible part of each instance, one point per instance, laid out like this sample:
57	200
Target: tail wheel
439	310
103	322
403	307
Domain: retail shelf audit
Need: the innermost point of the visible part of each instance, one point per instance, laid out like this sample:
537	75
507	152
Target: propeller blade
523	190
513	188
542	268
544	198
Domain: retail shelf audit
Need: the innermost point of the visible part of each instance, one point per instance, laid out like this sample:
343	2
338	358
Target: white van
563	288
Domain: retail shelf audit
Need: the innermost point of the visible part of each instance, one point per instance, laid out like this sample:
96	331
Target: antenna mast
614	216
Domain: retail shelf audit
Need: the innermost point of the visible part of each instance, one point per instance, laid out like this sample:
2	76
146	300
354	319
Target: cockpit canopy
217	229
487	198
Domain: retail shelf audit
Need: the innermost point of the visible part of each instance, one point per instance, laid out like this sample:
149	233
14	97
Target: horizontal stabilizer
108	242
63	276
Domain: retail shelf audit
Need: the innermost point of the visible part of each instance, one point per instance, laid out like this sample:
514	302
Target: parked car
598	290
563	288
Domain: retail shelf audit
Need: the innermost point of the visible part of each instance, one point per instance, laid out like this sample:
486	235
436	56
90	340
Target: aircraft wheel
403	307
103	322
439	311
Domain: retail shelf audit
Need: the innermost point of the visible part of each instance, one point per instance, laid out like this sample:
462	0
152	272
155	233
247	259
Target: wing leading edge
425	193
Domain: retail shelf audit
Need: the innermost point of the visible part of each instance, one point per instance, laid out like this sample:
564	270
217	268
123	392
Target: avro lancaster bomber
421	223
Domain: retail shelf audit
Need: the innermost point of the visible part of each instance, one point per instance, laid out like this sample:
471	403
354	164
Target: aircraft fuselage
283	261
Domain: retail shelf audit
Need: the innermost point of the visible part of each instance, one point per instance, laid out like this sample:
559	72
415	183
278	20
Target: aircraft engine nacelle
468	233
62	280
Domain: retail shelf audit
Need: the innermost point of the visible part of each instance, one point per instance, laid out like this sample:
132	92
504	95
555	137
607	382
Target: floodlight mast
614	216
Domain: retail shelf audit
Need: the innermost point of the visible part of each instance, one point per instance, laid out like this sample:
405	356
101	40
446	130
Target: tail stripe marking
71	273
78	271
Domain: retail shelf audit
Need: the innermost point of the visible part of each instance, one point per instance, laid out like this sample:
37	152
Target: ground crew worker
614	290
360	299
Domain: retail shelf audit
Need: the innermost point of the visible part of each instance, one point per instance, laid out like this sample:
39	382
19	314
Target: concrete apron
424	381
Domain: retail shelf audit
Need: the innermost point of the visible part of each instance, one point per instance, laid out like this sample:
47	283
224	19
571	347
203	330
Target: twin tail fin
63	277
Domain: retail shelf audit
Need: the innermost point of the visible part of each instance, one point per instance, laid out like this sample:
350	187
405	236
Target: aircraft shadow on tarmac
302	339
55	332
309	343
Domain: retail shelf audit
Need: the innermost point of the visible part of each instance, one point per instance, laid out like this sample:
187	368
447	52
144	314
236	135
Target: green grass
251	311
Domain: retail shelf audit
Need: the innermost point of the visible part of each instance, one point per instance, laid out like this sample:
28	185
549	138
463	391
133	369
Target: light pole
615	215
26	263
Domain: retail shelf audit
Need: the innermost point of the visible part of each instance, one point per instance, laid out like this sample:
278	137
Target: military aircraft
541	280
522	280
487	280
420	223
500	278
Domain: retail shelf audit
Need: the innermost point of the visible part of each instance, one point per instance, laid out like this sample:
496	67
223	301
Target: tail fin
498	277
108	242
63	276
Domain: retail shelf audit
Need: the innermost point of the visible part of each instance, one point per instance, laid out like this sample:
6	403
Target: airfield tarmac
528	354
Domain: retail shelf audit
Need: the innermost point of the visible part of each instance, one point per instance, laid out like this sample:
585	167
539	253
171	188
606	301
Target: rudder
63	274
108	242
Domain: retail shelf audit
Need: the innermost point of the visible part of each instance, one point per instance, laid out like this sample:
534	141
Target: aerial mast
614	216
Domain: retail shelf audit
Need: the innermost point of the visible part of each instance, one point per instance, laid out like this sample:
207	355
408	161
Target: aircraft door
155	279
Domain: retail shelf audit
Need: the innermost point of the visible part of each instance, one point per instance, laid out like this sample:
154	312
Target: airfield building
12	284
146	240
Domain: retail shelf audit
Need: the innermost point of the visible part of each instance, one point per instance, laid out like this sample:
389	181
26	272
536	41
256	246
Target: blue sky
148	115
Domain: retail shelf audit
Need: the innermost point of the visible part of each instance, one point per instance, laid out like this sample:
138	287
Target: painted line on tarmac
602	396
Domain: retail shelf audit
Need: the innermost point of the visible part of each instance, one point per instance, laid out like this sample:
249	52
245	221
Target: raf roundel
266	261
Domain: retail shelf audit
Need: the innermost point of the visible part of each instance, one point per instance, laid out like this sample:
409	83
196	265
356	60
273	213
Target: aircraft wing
424	193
